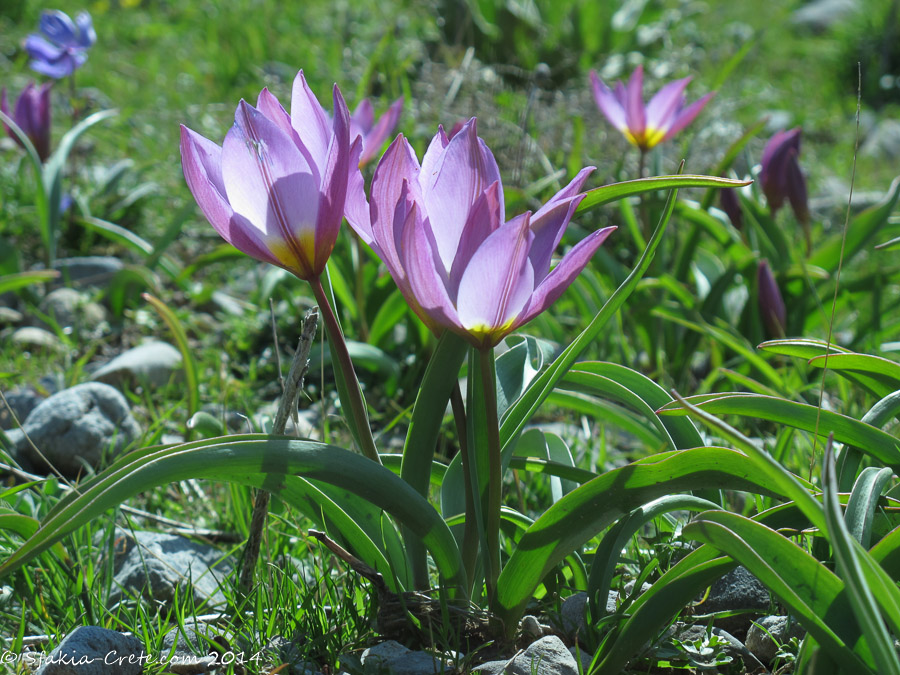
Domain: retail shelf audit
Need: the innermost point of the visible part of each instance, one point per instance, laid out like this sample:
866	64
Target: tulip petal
634	103
423	284
562	276
310	121
663	107
608	103
376	136
268	181
356	208
484	219
686	116
333	194
396	175
550	222
363	117
202	161
497	283
433	154
464	171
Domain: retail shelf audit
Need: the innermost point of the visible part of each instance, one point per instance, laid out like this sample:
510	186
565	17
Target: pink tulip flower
277	186
646	126
362	124
441	230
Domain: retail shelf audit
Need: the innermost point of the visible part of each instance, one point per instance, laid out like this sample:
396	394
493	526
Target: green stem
348	386
495	469
470	528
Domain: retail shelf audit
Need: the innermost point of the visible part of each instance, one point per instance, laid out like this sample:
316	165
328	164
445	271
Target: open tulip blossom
373	135
32	115
276	187
441	230
646	126
61	47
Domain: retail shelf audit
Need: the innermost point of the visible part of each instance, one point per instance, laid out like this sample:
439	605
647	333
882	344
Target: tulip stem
470	528
495	469
348	385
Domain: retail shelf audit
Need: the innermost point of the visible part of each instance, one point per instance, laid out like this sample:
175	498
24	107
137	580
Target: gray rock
90	650
88	270
71	309
157	564
883	142
21	402
737	591
34	338
399	660
572	613
83	424
765	636
547	656
8	315
820	15
150	364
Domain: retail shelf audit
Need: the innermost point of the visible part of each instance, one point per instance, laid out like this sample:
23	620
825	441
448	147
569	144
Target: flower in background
780	175
362	124
276	187
771	304
441	230
32	115
62	46
650	125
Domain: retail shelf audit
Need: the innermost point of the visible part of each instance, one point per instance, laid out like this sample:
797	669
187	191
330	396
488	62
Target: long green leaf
260	461
850	570
187	354
611	193
812	592
585	512
872	441
12	282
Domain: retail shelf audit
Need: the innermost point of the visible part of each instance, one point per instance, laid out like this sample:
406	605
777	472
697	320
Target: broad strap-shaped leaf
812	592
260	461
585	512
611	193
870	440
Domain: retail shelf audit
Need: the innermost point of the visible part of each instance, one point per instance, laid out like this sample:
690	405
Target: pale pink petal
377	135
484	219
268	181
464	171
562	276
363	117
310	120
608	103
398	166
423	279
634	103
432	155
201	160
497	283
663	107
550	222
686	116
333	195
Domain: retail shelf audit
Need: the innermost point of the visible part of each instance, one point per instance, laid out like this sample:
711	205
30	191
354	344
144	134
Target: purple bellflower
650	125
62	46
780	175
32	115
276	187
771	304
441	230
373	135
